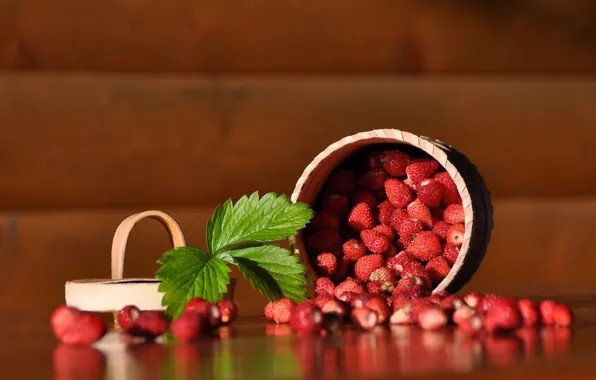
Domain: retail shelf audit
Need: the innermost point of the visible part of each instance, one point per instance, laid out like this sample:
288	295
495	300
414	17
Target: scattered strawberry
408	230
323	241
442	294
454	214
188	327
398	194
397	301
435	299
337	203
197	304
354	249
229	311
402	316
425	246
365	196
411	286
441	228
432	318
127	316
379	306
62	318
462	314
373	179
306	318
455	235
383	212
374	160
365	318
487	301
438	268
334	306
430	192
562	315
418	270
471	326
341	181
385	230
420	211
529	312
503	315
375	242
395	162
473	299
85	328
356	300
361	217
321	300
450	253
343	266
451	303
326	264
324	286
450	192
324	220
547	312
397	262
384	278
282	310
366	265
348	285
149	325
371	287
269	311
420	169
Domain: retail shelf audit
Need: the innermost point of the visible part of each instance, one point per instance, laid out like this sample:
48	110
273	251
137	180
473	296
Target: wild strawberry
127	316
397	301
354	249
421	168
562	315
326	264
435	299
432	318
398	193
229	311
306	318
503	315
188	327
374	160
371	287
356	300
282	310
402	316
410	184
383	212
213	315
395	162
462	313
62	318
451	303
385	230
269	311
149	324
438	268
323	241
343	267
450	192
471	326
442	294
379	306
365	318
348	285
473	299
84	329
430	192
323	286
372	179
324	220
547	311
391	251
366	265
441	228
321	300
454	214
397	262
408	230
197	304
334	306
418	210
365	196
411	286
375	241
450	253
487	301
361	217
419	270
455	235
425	246
384	278
337	203
529	312
341	181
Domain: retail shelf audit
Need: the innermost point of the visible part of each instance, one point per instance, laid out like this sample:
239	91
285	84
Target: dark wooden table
253	349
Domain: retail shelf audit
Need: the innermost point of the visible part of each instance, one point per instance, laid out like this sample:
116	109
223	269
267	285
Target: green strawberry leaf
188	272
266	219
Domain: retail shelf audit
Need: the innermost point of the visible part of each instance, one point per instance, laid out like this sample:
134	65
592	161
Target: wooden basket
475	196
111	295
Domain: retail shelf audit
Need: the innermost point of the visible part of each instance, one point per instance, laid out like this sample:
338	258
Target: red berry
197	304
383	212
450	192
425	246
379	306
432	318
62	318
188	327
85	329
391	251
397	301
324	286
418	210
395	162
455	235
420	169
487	302
462	314
354	249
529	312
371	287
127	316
326	264
374	160
321	300
372	179
438	268
229	311
411	286
348	285
337	203
442	294
384	278
408	230
473	299
269	311
398	193
562	315
324	220
441	228
361	217
418	270
149	324
341	181
503	315
402	316
450	253
385	230
451	303
454	214
356	300
366	265
343	266
397	262
365	196
398	217
376	242
430	192
471	326
334	306
282	310
323	241
365	318
306	318
547	311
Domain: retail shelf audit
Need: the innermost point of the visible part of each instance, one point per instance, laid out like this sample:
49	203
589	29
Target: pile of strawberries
390	224
473	314
200	317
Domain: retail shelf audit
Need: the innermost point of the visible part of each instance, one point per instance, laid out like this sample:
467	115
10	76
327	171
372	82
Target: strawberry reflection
78	362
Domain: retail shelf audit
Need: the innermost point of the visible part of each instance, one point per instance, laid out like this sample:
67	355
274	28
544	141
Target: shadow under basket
476	199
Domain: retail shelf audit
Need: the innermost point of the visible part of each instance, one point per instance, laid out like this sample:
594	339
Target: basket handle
123	230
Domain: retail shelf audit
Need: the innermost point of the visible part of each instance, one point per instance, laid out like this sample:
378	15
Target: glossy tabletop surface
254	349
